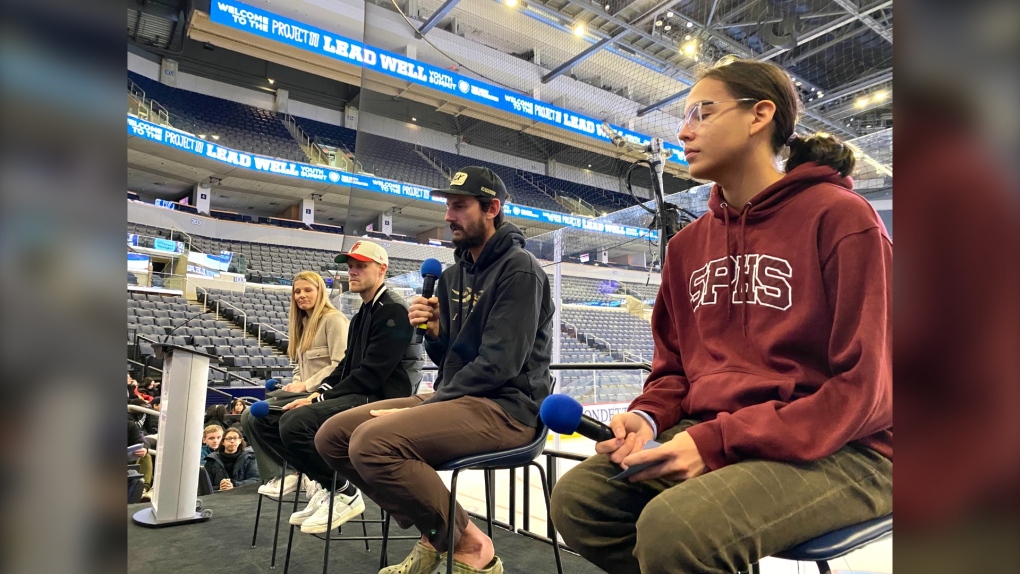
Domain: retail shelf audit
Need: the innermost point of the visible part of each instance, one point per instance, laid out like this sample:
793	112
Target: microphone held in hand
564	415
431	269
261	409
273	385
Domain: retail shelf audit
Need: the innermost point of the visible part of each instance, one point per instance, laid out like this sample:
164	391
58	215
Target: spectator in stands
151	425
142	453
380	363
216	414
212	436
490	332
771	383
135	392
233	463
318	341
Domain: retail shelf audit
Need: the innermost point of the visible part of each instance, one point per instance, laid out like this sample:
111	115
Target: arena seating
256	130
238	126
154	316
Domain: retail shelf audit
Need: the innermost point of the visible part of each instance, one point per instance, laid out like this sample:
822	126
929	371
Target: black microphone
166	339
564	415
431	269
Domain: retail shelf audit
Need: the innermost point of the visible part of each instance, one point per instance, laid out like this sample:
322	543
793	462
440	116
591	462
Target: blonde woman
318	342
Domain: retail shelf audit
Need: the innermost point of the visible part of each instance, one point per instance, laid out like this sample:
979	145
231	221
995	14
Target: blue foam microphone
431	269
564	415
273	385
261	409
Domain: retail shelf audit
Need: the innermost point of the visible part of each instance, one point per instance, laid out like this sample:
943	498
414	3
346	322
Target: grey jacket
327	350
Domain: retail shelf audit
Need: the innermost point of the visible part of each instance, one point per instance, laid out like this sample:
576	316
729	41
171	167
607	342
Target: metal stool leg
364	531
329	527
450	525
258	513
548	517
290	535
384	559
279	511
490	494
823	567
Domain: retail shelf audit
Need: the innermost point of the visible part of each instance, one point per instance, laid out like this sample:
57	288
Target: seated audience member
380	363
212	436
489	330
134	392
318	341
233	463
771	382
151	425
145	465
216	415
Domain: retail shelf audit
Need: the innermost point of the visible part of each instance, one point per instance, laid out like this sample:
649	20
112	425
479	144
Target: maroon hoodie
773	325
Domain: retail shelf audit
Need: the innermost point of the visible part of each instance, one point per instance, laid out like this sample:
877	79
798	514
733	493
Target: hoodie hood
777	194
502	241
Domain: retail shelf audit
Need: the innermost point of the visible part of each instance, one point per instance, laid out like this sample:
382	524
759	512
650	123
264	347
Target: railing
146	367
154	111
432	158
244	322
312	149
542	188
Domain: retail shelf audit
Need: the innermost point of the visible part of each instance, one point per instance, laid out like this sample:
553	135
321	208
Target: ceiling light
690	48
669	14
668	27
511	3
589	166
579	29
201	136
811	99
881	96
690	24
216	137
820	94
414	119
271	81
608	6
861	102
687	37
798	84
658	22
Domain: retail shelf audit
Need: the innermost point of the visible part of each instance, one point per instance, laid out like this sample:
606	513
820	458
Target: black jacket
380	362
495	327
246	470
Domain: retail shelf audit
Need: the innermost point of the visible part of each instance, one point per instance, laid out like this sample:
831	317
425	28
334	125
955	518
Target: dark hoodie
495	327
773	325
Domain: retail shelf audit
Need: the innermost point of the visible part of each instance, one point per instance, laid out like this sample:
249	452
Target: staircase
578	206
528	178
311	150
433	160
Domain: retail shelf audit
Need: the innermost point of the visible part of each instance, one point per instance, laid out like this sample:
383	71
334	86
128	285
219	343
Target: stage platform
223	544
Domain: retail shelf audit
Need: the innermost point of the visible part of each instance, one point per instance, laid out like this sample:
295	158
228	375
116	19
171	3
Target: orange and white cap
365	251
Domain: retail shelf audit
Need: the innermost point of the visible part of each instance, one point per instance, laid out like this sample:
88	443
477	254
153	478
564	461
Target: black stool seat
511	458
840	542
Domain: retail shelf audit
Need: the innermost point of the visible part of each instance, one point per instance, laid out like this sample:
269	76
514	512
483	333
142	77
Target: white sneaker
318	497
308	485
272	488
344	508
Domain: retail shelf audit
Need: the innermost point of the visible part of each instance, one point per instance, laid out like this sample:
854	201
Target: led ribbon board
323	174
293	33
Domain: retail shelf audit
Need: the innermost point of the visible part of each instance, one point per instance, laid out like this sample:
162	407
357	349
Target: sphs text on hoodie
760	280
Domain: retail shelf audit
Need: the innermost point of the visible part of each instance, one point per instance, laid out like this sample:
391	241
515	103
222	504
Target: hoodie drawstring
735	262
742	254
729	256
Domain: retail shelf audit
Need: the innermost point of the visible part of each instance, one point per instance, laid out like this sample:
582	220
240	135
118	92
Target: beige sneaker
421	560
494	567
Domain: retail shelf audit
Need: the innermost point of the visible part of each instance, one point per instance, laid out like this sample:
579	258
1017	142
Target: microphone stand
666	219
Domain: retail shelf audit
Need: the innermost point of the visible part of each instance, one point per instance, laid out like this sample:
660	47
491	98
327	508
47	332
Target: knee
669	542
365	446
330	441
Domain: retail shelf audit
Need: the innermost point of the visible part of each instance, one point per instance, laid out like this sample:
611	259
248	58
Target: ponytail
822	149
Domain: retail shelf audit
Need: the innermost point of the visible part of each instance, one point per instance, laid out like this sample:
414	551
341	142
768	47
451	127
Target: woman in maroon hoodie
771	385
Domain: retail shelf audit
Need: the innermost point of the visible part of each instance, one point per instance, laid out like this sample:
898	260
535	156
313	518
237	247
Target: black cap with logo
475	181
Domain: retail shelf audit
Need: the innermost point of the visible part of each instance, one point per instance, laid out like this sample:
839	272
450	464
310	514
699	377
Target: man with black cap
490	331
381	362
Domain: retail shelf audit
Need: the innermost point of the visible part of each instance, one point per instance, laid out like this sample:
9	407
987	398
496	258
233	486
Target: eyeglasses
232	438
694	115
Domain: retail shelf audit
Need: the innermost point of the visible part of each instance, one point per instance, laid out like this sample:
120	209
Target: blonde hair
211	429
303	332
